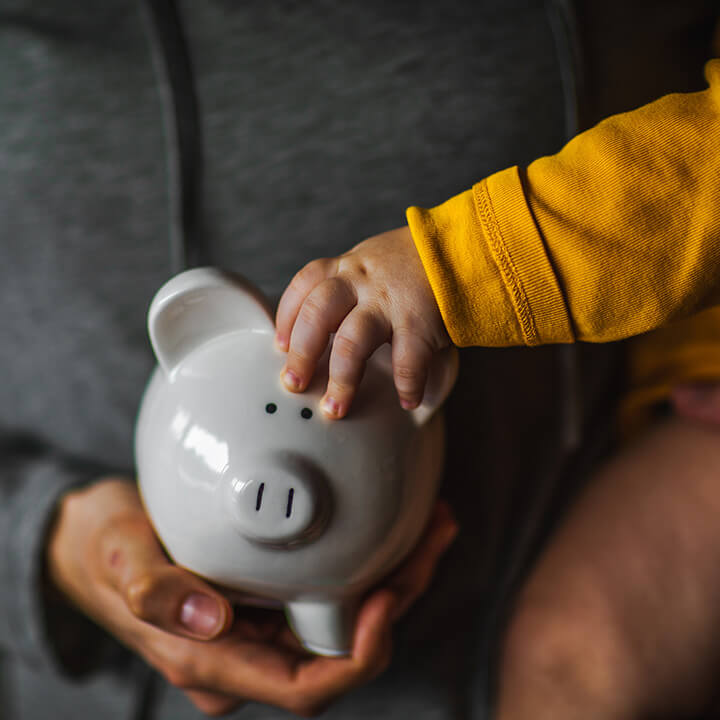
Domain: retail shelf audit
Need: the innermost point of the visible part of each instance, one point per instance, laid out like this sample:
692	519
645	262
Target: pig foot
324	628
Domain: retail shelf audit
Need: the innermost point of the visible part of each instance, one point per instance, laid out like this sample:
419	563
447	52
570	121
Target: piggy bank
251	487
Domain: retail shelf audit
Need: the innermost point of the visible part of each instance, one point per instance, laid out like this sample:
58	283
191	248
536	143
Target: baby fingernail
201	614
291	380
331	406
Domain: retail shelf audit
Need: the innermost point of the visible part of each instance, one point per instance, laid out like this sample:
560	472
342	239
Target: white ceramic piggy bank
250	486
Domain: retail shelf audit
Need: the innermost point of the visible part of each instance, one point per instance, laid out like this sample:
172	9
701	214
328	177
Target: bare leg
621	616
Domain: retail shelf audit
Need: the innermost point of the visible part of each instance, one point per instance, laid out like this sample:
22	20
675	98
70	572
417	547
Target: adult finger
319	681
299	682
214	704
154	590
359	335
320	315
294	295
413	577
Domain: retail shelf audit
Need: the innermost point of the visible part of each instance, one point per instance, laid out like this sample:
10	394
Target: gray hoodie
295	130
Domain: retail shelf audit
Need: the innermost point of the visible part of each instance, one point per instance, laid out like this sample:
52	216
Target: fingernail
291	380
408	404
331	406
201	614
282	341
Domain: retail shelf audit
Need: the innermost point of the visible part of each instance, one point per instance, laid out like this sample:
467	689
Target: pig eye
270	408
306	413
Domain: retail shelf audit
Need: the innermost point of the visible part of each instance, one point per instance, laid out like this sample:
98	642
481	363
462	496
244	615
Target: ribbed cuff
519	251
488	267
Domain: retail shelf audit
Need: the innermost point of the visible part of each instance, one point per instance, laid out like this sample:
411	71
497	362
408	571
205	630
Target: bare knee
565	660
620	616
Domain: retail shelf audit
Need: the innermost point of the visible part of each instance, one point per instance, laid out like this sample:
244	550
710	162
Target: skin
698	402
104	558
620	618
375	293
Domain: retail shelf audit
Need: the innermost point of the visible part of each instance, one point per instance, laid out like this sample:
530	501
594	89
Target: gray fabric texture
321	122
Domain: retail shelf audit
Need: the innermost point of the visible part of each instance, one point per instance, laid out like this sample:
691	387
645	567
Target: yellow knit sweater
617	234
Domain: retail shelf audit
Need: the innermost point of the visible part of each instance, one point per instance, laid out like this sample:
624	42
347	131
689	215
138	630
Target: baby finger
359	335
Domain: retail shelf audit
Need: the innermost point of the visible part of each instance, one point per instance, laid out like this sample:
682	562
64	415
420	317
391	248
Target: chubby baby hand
375	293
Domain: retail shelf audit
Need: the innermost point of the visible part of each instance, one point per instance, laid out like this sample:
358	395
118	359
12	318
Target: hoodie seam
510	275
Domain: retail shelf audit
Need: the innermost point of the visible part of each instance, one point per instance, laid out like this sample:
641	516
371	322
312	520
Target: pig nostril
270	408
258	502
306	413
278	500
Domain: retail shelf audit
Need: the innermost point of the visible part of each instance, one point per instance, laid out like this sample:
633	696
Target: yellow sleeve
616	234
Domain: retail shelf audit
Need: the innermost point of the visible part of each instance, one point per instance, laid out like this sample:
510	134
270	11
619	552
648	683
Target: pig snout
278	499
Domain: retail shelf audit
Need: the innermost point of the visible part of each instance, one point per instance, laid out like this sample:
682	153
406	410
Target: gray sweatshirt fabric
320	122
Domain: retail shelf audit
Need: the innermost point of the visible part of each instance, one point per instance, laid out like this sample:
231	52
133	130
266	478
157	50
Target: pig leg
323	627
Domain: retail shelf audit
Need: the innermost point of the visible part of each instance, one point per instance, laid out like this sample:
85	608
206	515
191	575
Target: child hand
375	293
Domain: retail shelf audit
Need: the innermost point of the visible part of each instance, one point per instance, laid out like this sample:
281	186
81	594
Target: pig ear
442	374
199	305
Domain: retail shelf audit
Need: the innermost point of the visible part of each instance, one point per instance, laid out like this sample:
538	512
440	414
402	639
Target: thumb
155	590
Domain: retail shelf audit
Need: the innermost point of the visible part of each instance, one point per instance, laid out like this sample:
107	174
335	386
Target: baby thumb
155	590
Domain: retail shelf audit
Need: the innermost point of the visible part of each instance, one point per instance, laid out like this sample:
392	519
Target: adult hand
103	555
698	402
